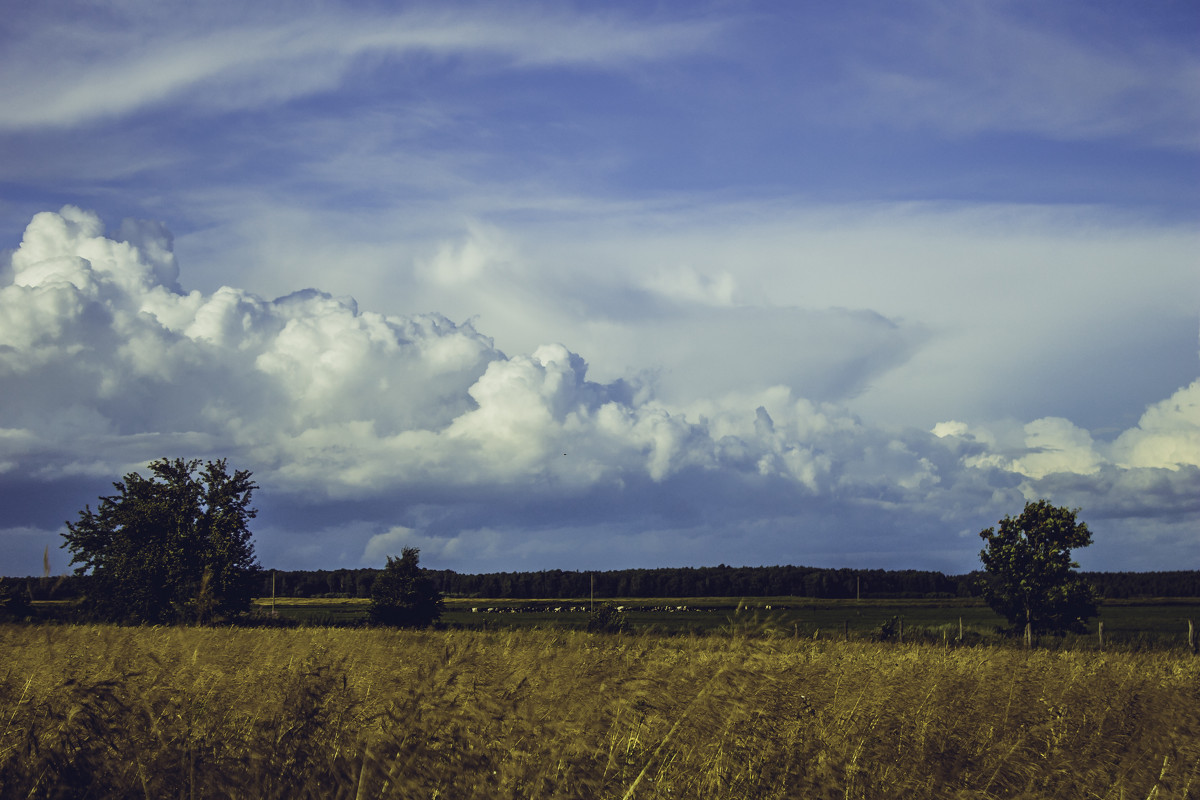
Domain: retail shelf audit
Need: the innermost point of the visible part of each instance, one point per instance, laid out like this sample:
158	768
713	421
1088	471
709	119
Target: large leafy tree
403	595
1031	578
169	547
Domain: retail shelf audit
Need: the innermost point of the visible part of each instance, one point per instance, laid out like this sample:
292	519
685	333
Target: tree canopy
1031	577
403	595
171	547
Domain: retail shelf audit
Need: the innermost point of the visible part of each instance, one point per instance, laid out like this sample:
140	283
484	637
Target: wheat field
104	711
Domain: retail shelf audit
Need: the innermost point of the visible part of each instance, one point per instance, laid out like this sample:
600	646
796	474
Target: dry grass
99	711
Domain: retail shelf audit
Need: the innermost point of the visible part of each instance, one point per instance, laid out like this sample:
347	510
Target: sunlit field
103	711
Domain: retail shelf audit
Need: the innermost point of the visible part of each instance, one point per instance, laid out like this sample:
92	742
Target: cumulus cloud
1151	471
371	432
903	311
471	545
1167	436
1050	445
391	542
304	382
97	332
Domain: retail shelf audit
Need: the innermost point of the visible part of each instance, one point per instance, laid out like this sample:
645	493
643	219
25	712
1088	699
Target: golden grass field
104	711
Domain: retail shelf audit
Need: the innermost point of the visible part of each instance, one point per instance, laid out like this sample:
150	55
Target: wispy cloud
977	67
225	64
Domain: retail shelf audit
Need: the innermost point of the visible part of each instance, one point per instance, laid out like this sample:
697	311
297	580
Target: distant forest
719	581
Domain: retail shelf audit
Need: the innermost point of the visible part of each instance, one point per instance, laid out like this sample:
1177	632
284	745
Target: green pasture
1127	623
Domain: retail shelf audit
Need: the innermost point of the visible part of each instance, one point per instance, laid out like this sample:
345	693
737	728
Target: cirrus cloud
117	61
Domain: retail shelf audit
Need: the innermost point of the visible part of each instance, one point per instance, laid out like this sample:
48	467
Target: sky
556	285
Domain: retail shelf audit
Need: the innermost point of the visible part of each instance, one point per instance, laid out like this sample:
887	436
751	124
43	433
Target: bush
606	619
14	601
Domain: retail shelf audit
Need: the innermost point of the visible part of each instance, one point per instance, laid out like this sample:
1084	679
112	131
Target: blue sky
536	285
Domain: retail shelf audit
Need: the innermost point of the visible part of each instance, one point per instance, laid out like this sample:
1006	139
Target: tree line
718	581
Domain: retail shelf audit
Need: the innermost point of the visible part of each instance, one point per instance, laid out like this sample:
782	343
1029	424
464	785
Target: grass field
103	711
1127	623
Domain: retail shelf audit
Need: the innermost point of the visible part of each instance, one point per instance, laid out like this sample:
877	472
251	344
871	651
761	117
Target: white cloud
103	317
342	401
473	546
685	283
1056	445
950	428
1167	436
1043	447
436	438
389	543
481	253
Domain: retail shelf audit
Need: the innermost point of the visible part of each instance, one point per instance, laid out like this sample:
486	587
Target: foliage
889	629
403	596
606	619
174	546
101	711
1031	575
14	602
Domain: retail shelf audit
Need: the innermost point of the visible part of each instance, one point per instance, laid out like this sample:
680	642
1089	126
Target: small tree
1031	579
403	595
171	547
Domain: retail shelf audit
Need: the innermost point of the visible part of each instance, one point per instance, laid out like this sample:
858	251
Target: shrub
606	619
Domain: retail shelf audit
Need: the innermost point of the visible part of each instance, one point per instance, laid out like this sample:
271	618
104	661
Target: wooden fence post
1191	636
1100	634
900	631
1028	634
960	635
